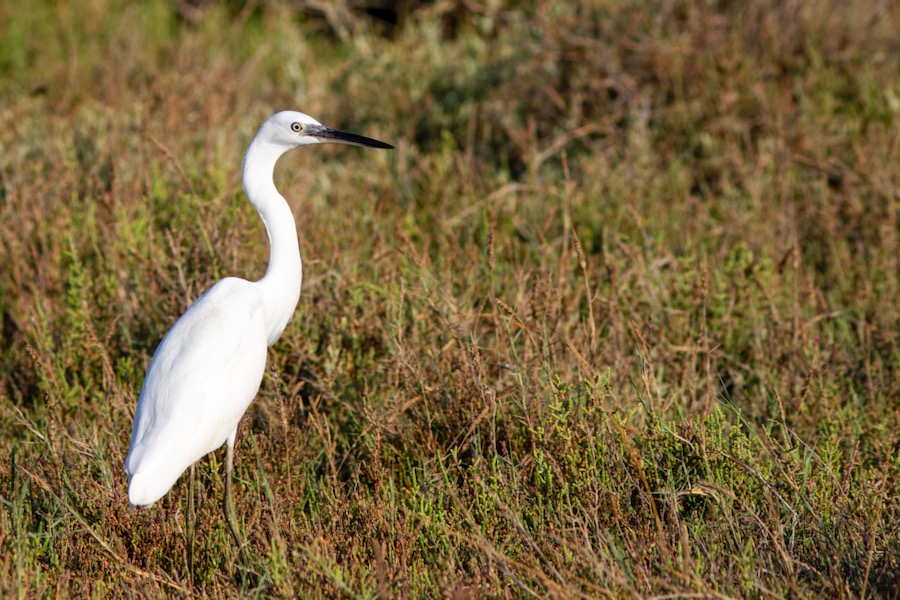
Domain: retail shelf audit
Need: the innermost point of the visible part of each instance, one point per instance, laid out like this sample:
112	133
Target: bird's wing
203	376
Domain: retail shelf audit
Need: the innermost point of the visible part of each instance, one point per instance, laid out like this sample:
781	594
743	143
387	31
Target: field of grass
619	317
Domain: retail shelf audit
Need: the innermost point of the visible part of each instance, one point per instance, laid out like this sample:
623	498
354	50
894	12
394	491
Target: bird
208	367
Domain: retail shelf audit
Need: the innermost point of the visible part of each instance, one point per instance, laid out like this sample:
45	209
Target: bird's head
290	129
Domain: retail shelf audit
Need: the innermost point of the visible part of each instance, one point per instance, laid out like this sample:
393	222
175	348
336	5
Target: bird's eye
297	127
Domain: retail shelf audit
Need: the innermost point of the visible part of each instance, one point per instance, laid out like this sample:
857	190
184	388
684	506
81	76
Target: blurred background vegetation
618	317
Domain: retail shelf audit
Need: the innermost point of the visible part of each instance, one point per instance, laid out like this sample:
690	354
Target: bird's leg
190	526
229	497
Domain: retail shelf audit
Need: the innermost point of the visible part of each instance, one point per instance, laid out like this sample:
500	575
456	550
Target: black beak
327	134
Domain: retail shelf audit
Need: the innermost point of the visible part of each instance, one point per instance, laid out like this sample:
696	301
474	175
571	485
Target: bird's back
203	376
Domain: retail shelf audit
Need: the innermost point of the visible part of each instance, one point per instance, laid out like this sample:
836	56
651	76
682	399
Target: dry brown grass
617	318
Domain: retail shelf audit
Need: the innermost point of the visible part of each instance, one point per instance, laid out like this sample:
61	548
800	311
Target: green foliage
618	317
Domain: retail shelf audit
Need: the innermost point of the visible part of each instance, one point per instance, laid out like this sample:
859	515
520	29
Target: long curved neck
280	286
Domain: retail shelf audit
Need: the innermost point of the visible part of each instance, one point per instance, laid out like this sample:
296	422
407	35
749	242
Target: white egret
209	366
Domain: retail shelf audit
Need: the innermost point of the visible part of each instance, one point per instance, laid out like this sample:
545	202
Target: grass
617	318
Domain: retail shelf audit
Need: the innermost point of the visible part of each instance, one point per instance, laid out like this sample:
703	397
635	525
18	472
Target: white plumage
209	366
